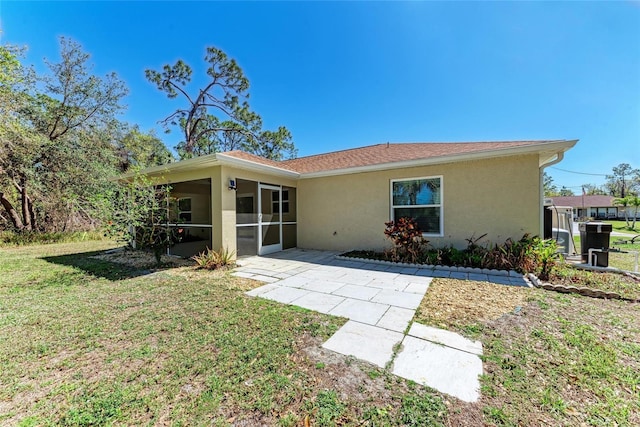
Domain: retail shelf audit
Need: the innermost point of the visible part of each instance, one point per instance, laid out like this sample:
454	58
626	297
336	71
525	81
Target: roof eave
545	150
555	154
548	152
256	167
208	161
193	163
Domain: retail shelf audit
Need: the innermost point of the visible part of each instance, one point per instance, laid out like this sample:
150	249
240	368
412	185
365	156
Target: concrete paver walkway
380	301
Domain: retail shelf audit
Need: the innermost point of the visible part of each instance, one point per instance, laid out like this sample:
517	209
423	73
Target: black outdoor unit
595	235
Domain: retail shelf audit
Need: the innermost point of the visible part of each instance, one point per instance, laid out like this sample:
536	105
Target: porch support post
216	209
223	211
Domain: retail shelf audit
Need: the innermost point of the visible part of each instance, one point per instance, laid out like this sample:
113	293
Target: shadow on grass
97	267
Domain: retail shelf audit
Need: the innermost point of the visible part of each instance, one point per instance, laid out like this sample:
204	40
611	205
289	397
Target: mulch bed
138	259
454	304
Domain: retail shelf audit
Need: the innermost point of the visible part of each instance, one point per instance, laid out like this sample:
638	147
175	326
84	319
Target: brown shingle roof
373	157
593	201
381	154
253	158
395	152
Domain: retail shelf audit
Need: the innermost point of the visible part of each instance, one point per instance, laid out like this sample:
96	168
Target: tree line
624	181
62	141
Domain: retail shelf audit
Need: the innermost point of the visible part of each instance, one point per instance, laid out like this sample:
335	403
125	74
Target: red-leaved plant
408	242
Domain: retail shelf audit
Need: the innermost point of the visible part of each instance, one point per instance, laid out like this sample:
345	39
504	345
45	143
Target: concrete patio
380	302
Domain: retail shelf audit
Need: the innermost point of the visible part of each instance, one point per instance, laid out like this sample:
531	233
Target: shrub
527	255
444	256
214	260
474	255
11	238
155	237
140	212
512	255
408	243
546	256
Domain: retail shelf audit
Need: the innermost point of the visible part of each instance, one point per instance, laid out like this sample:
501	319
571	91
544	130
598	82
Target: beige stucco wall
500	197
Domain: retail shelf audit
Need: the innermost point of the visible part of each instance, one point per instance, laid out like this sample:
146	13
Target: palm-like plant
635	202
409	191
624	202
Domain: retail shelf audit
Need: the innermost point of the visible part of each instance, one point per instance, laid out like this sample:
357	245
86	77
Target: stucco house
341	200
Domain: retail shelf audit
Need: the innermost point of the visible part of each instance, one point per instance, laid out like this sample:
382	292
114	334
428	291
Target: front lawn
84	341
554	359
88	342
621	226
566	359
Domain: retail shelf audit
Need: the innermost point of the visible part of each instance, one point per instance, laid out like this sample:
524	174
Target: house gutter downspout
558	159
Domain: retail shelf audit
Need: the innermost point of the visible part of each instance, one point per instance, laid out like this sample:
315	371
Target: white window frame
275	204
190	212
440	205
283	201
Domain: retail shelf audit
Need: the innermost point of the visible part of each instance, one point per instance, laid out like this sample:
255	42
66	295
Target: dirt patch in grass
462	304
142	259
351	378
466	306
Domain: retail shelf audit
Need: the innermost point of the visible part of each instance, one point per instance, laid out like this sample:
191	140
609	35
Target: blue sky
347	74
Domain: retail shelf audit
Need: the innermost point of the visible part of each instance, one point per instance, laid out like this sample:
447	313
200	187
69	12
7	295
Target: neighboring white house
593	206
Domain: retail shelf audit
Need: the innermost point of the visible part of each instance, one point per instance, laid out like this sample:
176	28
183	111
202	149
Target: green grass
608	282
623	260
621	226
560	359
568	360
10	238
88	342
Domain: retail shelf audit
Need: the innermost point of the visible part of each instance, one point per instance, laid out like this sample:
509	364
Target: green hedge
11	238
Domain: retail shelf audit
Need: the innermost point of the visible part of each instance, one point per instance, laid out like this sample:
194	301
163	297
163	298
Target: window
420	199
244	204
285	201
184	209
275	206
